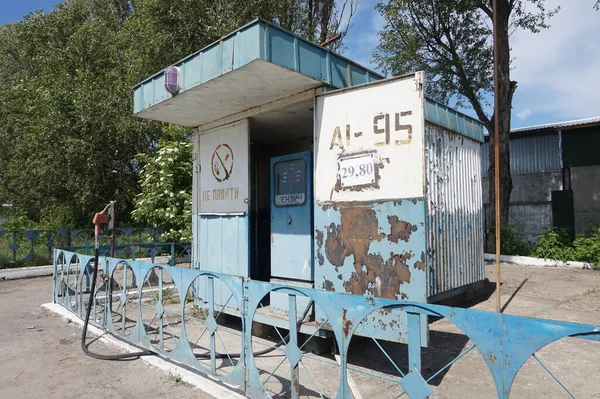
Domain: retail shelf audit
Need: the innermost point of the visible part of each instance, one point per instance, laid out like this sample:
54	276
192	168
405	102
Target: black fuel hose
84	345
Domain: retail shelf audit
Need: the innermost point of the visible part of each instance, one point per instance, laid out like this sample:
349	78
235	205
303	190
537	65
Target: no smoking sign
222	162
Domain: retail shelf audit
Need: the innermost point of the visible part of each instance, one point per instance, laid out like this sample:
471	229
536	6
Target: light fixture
172	80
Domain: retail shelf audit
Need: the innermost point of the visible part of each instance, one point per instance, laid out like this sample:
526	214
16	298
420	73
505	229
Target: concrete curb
529	261
204	384
26	272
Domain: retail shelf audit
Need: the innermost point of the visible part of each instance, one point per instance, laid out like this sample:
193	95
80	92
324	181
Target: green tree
68	140
452	42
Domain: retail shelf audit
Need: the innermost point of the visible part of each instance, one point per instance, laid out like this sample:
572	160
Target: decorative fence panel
173	312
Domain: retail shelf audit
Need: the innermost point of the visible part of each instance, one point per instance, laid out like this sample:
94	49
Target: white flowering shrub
165	199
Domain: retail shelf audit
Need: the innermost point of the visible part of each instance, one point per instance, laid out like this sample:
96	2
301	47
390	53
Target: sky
557	70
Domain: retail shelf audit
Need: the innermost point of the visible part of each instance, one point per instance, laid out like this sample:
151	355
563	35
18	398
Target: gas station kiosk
313	171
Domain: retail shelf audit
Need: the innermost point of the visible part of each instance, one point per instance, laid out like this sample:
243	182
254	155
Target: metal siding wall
454	210
530	154
227	238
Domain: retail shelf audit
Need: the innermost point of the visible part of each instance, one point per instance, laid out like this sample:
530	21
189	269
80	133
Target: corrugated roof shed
559	125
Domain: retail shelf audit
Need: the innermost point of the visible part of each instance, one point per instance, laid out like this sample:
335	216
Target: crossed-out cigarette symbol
222	162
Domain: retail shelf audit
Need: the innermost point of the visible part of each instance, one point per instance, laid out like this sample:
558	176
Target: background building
556	176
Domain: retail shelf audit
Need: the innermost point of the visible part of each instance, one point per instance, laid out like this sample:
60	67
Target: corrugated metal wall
529	154
454	210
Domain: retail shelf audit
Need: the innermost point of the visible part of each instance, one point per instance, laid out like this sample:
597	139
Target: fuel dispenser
291	225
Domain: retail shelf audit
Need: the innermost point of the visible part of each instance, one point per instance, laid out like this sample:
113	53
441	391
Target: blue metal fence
35	246
174	313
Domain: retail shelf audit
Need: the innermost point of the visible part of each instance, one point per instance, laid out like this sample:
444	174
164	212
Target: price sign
357	171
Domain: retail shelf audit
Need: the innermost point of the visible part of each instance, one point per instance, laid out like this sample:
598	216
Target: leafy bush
512	242
587	246
554	243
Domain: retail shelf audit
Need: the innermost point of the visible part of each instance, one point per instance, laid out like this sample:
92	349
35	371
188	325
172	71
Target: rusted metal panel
454	210
373	249
369	208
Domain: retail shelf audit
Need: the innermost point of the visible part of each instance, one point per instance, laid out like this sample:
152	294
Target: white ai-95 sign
369	141
357	171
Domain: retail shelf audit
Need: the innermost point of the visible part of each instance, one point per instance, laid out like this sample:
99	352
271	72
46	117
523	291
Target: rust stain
400	230
347	324
372	273
385	311
391	273
328	285
358	229
420	264
319	237
403	296
491	357
272	239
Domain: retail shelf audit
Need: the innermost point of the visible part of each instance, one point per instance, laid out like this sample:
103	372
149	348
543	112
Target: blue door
291	217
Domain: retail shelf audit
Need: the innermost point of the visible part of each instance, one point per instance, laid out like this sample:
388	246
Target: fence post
172	254
414	342
14	246
293	343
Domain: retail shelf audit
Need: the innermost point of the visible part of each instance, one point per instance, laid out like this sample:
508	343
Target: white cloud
524	114
558	69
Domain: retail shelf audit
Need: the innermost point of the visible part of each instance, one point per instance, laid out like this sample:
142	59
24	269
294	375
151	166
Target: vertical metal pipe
497	158
161	321
113	233
211	312
293	341
124	300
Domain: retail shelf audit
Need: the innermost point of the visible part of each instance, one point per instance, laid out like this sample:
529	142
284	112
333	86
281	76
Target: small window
290	183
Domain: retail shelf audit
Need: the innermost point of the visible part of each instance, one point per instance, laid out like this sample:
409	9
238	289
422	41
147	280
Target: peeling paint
319	238
358	229
372	249
328	285
420	264
391	273
321	259
400	230
346	323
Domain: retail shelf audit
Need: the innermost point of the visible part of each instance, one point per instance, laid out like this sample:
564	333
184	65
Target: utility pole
497	158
